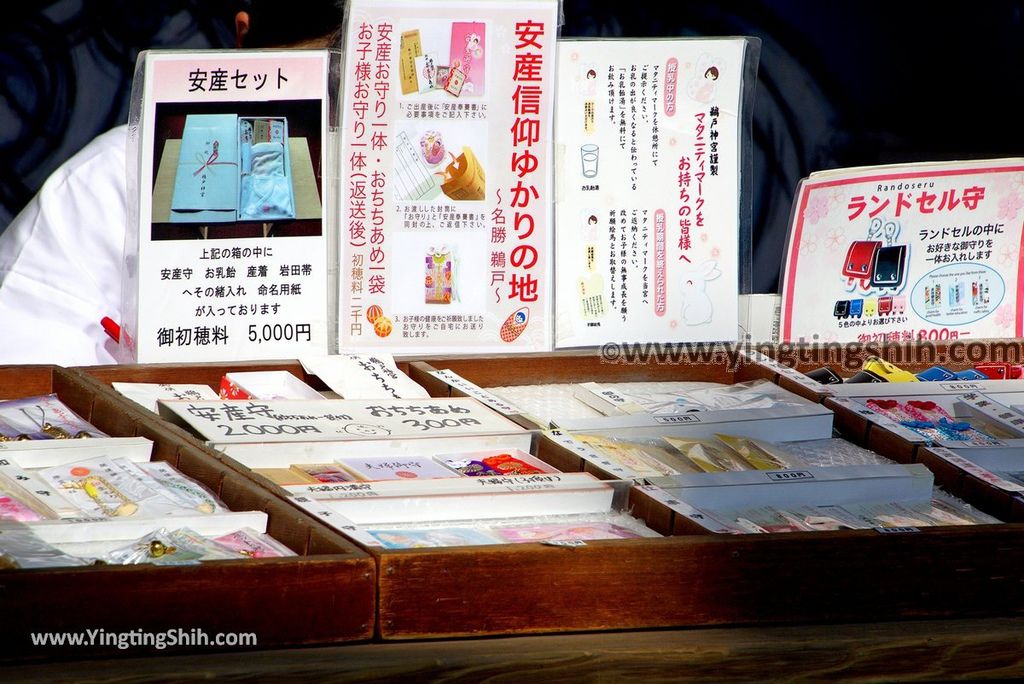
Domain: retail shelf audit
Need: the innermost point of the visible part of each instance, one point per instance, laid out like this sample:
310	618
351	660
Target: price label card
337	521
364	376
684	509
787	372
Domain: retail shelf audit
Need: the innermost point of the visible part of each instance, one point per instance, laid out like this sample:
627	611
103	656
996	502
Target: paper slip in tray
42	453
797	422
806	486
284	454
63	532
460	498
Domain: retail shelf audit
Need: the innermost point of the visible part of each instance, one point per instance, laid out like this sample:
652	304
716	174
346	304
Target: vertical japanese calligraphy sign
906	253
446	176
229	214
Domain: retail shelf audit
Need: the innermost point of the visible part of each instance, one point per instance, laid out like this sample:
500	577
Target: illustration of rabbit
697	308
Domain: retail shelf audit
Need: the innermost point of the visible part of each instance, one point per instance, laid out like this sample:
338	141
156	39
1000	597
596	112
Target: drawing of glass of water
588	157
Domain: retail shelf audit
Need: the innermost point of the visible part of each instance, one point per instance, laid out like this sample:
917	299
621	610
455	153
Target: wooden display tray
858	428
575	368
683	580
854	423
913	357
327	595
708	365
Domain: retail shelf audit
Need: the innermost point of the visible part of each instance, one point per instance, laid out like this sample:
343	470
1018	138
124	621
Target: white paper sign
240	422
787	372
648	168
228	256
336	520
996	412
447	486
684	509
364	376
974	469
147	394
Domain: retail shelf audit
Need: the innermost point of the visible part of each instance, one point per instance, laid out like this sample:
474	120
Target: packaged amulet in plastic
17	500
439	281
169	547
709	455
188	493
761	455
110	488
20	547
249	543
42	417
14	507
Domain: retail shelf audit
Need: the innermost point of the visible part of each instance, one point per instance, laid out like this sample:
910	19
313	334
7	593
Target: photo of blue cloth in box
233	169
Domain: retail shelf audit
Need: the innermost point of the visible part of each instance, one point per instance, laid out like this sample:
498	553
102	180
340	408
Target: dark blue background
840	83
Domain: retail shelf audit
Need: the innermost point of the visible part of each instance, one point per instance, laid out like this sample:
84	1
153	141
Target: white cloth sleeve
61	261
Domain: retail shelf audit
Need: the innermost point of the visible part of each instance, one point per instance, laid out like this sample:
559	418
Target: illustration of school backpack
888	267
860	259
875	264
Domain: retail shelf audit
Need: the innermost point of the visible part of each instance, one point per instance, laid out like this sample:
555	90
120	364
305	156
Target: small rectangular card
397	467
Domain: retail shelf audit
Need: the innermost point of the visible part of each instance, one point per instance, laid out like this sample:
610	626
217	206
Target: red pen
111	328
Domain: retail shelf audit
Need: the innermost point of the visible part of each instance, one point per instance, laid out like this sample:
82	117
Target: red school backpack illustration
874	264
860	259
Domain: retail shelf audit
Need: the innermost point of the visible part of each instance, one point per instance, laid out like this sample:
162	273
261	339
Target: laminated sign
446	161
226	257
906	253
649	161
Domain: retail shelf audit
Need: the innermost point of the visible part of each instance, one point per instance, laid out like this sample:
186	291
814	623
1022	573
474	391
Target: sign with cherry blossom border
905	253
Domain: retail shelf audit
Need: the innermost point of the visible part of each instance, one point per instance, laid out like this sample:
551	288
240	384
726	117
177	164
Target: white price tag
788	475
678	419
253	421
960	386
790	373
565	543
